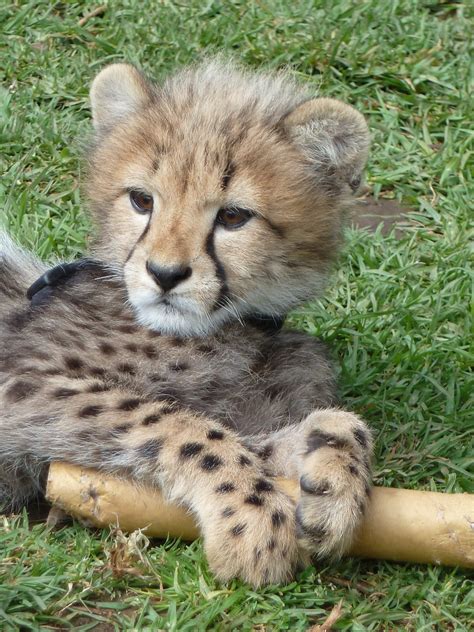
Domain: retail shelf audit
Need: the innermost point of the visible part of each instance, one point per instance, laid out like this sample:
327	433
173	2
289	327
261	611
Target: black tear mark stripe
141	238
220	271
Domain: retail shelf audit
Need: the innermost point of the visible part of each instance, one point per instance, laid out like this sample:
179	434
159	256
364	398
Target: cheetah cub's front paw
334	480
252	536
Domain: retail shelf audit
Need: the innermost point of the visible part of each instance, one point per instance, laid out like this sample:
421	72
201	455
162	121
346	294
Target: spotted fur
162	359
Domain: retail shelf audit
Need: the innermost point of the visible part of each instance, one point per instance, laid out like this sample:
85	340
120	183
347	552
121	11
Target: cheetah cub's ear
335	138
117	92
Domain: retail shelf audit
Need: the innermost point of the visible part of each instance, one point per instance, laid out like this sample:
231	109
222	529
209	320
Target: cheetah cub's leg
329	452
248	525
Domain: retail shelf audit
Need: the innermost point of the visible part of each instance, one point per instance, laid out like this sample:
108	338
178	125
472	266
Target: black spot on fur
91	411
129	404
361	437
225	488
271	544
21	389
320	439
131	347
214	435
261	485
352	469
122	428
73	363
211	462
98	387
126	367
64	392
150	449
227	512
96	371
244	460
126	329
190	449
238	529
266	452
155	417
255	500
321	488
278	518
150	351
106	348
176	342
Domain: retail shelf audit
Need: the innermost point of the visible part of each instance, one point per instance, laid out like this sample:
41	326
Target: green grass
398	315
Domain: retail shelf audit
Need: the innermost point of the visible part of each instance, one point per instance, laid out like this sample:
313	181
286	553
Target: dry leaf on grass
126	556
332	618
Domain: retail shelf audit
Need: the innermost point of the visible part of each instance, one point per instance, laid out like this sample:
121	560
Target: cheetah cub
217	200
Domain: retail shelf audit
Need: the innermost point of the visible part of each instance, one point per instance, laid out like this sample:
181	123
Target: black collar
42	288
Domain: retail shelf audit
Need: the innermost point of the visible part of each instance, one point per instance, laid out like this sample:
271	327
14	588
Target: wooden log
400	524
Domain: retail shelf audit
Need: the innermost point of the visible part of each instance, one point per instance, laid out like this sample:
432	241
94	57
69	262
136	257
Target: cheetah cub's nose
168	278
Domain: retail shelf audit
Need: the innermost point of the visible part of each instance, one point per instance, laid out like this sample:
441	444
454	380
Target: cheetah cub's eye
233	217
141	202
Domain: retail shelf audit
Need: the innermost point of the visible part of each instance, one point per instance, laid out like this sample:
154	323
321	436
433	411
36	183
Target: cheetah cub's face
219	193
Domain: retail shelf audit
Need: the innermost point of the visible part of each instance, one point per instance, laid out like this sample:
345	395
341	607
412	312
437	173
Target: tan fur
193	388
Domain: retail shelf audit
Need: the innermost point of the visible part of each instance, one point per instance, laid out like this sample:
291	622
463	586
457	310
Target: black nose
168	278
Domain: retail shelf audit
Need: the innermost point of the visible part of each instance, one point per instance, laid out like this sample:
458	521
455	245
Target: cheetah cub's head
219	193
